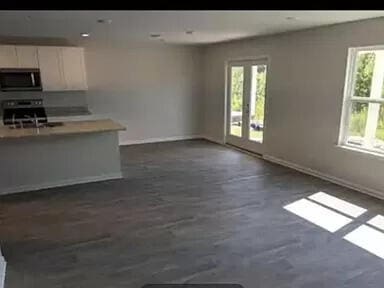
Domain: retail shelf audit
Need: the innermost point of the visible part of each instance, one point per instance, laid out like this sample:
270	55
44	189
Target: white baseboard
212	139
154	140
167	139
330	178
32	187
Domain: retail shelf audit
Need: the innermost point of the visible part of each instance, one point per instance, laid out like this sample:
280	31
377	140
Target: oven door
20	80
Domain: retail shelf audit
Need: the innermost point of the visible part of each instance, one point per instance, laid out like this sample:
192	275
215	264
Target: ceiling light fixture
291	18
85	34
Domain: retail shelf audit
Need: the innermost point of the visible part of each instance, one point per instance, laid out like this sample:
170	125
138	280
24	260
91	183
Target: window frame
349	99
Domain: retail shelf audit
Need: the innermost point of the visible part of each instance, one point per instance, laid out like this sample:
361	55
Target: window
363	109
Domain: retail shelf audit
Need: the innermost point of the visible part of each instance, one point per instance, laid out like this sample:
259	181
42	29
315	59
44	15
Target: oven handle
33	79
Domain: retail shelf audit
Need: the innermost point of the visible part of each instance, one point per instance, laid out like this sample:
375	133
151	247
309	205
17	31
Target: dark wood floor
185	212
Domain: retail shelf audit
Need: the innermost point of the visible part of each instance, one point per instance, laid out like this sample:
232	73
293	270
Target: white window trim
348	100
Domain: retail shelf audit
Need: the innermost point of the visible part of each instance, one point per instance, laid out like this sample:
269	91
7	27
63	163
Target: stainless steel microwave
20	79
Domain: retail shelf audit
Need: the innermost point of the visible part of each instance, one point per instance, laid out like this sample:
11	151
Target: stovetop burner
25	111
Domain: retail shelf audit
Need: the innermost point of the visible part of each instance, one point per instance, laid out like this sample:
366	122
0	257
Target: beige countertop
69	127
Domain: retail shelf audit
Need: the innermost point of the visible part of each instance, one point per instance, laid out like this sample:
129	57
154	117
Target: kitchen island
71	153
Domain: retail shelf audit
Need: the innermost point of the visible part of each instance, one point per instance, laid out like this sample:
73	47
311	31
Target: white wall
155	92
305	92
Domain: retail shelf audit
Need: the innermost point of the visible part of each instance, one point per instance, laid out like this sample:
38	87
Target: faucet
34	119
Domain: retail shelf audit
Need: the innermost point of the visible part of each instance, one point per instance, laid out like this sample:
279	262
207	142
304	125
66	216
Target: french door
246	94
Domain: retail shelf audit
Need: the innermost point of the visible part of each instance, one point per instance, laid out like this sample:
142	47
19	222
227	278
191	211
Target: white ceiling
136	26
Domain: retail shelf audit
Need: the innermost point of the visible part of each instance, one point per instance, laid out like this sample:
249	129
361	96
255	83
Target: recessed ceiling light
291	18
85	34
189	32
155	35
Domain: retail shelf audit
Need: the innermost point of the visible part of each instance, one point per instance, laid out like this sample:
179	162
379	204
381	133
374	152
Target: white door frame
244	142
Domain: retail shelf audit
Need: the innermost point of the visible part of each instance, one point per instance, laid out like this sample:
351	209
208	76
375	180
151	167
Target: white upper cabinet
74	68
51	69
61	68
8	56
27	57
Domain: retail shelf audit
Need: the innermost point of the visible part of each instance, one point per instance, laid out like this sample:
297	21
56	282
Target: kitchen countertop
69	127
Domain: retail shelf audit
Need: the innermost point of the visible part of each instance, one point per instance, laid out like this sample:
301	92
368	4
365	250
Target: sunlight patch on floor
369	239
338	204
378	222
318	215
325	210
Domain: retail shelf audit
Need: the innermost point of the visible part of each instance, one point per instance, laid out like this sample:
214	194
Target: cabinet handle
33	79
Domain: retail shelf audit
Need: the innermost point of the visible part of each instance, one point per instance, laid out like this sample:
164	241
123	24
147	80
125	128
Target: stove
25	112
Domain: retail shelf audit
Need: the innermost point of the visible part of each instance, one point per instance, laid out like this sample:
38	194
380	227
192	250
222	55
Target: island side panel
33	163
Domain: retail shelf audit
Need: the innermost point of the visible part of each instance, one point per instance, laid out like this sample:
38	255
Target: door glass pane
237	81
257	103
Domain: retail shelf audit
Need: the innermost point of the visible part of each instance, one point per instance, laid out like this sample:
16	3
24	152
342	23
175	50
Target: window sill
361	151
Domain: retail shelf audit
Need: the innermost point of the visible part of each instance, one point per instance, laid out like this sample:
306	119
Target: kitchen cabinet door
27	57
8	56
51	68
74	68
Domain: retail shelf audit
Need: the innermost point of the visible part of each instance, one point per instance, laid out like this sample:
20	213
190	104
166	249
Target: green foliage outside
237	99
358	119
237	91
364	73
260	94
365	65
237	88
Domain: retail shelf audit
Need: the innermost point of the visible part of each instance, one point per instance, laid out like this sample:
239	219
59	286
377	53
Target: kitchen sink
53	124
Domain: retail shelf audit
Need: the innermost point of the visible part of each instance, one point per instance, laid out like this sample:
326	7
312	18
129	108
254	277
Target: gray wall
155	92
305	92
